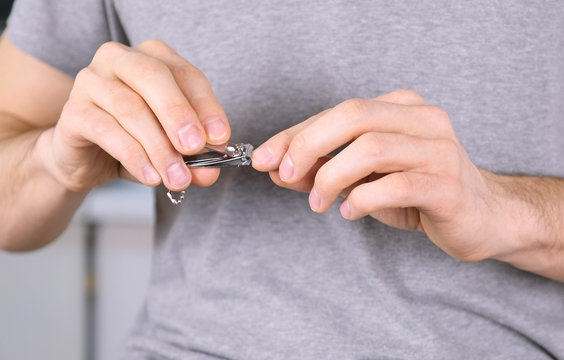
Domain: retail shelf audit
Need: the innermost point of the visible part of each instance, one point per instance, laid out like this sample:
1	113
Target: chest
496	67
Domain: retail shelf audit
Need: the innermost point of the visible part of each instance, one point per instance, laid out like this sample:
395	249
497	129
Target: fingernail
286	170
314	201
215	128
151	175
262	155
177	175
190	137
345	209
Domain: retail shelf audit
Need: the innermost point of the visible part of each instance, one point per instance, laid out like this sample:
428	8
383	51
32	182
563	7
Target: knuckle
148	67
286	137
84	76
282	141
88	121
357	202
438	119
352	107
407	92
180	111
449	146
371	144
299	143
129	155
108	49
326	179
99	128
450	157
161	153
154	44
187	72
402	186
71	108
408	95
95	126
437	112
126	103
142	66
73	117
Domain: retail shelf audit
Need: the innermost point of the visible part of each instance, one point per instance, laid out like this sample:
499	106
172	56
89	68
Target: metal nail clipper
232	155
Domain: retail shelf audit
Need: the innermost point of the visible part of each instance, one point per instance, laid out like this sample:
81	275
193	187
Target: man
244	269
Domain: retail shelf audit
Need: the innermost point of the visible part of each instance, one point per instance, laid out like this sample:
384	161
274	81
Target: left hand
402	164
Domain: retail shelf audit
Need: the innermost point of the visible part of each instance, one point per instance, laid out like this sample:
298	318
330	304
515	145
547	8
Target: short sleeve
62	33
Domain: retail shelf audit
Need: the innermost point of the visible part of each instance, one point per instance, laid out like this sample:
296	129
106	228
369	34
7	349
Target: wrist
526	231
32	193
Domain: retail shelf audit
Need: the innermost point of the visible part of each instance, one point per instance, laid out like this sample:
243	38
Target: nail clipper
232	155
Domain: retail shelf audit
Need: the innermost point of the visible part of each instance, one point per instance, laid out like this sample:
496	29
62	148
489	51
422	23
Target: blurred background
5	6
77	298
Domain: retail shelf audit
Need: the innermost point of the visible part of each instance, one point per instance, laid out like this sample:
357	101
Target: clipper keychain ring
233	155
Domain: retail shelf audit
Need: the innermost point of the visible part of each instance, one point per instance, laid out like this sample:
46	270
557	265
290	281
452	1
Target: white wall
43	293
41	312
124	260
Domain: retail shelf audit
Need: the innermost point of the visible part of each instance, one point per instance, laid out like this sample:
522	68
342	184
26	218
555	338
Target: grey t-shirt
244	269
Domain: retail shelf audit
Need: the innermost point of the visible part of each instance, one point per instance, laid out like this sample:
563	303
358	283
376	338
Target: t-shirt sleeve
62	33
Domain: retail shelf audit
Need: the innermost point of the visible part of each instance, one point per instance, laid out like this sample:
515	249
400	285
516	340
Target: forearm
35	208
533	223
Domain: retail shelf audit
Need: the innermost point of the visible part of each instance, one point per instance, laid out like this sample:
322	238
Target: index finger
196	88
153	81
268	156
353	118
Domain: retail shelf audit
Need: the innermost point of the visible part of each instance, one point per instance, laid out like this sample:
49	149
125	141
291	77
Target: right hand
133	113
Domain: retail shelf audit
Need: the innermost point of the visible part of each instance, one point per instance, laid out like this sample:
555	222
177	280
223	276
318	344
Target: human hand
132	113
404	166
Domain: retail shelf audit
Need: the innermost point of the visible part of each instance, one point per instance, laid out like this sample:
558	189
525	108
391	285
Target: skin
132	113
404	166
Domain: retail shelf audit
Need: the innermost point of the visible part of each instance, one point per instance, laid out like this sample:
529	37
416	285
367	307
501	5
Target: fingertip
314	201
191	138
217	130
346	210
150	176
178	177
262	158
286	170
204	177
